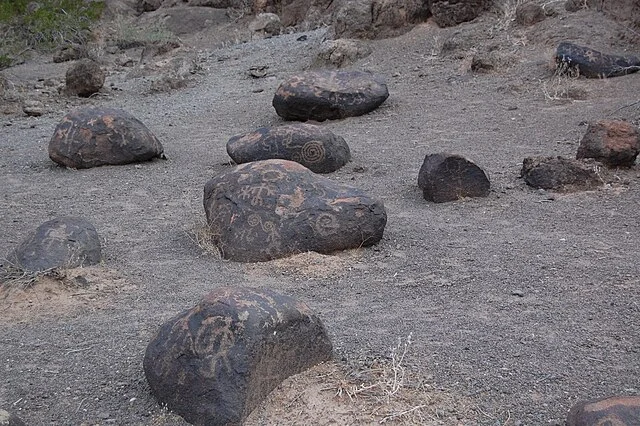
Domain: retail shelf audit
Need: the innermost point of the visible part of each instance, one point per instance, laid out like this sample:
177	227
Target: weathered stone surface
92	137
448	13
69	53
267	24
615	143
64	242
448	177
528	14
303	14
579	60
33	108
276	208
561	174
339	53
613	411
84	78
315	147
329	95
213	364
9	419
148	5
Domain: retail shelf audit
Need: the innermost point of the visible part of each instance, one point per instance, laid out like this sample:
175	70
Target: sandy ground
508	309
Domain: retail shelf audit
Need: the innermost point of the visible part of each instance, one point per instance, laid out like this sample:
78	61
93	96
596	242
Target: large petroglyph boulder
315	147
615	143
449	177
92	137
276	208
561	174
614	411
64	242
214	363
329	95
580	60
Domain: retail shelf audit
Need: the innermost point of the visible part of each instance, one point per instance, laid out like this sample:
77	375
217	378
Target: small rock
448	177
561	174
340	52
518	293
69	53
267	24
33	108
528	14
615	143
84	78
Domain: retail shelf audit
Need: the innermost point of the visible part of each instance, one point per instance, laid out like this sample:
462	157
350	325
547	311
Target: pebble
518	293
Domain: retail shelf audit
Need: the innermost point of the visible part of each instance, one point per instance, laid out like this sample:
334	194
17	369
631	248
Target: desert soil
507	309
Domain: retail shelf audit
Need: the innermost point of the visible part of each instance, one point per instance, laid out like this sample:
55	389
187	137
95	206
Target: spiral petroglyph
312	152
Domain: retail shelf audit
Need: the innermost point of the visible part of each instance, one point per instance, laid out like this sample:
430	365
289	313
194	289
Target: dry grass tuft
201	234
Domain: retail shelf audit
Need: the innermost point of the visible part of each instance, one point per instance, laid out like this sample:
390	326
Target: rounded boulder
92	137
214	363
316	148
449	177
329	95
277	208
614	411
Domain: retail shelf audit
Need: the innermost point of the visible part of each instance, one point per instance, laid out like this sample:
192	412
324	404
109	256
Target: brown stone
612	411
561	174
449	177
615	143
449	13
277	208
214	363
528	14
91	137
339	53
84	78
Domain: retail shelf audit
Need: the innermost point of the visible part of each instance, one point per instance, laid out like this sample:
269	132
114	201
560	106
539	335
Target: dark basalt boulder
615	143
214	363
92	137
316	148
329	95
561	174
277	208
579	60
614	411
84	78
449	177
449	13
64	242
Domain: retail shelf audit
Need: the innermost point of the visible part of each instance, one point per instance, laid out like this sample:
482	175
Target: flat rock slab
329	95
614	411
561	174
615	143
92	137
316	148
449	177
64	242
214	363
580	60
277	208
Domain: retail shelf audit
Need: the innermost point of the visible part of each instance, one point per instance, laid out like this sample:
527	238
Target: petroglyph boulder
314	147
92	137
329	95
579	60
214	363
616	410
64	242
561	174
615	143
448	177
276	208
84	78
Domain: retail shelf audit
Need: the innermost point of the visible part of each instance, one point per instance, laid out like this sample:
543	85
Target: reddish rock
92	137
276	208
613	411
214	363
561	174
313	146
528	14
449	177
84	78
615	143
329	95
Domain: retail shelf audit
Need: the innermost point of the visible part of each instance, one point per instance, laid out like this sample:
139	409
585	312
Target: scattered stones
9	419
215	363
64	242
92	137
561	174
449	13
528	14
339	53
84	78
578	60
316	148
329	95
615	143
276	208
448	177
69	53
33	108
616	410
266	24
